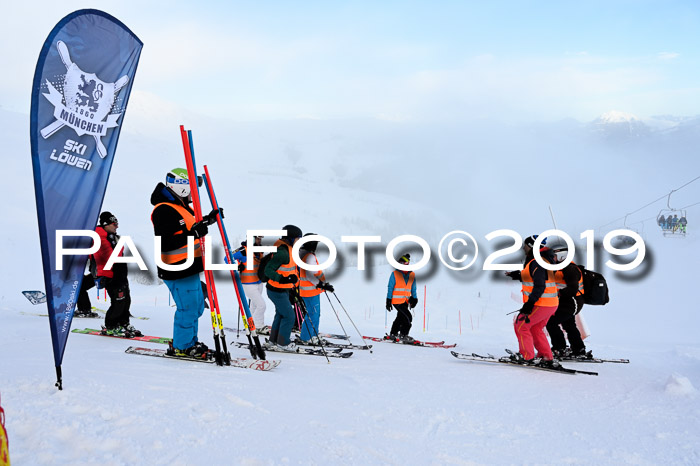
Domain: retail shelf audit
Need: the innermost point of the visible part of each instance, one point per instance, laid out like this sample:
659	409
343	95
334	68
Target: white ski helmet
560	254
178	181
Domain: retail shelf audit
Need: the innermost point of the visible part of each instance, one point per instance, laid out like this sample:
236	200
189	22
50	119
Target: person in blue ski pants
189	299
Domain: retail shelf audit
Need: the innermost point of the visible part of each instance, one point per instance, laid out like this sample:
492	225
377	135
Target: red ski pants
531	335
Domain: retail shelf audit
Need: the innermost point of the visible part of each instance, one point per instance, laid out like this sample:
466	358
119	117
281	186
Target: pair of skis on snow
247	363
507	361
335	336
326	351
432	344
429	344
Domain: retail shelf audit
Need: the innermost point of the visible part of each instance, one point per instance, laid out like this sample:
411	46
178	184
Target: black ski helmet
310	245
293	232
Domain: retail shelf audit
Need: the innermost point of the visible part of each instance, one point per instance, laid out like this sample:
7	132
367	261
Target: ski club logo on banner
82	102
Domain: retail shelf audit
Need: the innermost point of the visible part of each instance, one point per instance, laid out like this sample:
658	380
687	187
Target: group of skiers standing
294	291
551	299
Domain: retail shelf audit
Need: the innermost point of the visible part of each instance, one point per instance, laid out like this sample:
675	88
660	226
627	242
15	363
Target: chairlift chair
672	230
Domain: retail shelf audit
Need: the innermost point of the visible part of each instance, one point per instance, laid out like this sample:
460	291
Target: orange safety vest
180	254
561	284
250	276
402	288
306	288
550	296
290	268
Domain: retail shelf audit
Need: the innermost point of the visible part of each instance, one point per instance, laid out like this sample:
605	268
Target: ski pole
337	316
254	342
351	321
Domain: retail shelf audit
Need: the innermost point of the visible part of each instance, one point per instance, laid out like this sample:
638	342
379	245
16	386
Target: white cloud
496	87
668	55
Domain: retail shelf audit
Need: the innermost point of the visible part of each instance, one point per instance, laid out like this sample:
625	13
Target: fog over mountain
389	178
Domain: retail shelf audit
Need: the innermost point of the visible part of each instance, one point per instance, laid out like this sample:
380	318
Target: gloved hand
527	308
210	218
289	279
388	304
514	275
103	282
294	297
524	312
199	229
412	302
325	286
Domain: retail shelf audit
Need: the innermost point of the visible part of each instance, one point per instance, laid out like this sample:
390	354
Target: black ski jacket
170	226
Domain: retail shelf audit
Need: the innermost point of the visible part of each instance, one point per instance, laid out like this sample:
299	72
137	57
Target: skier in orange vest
281	272
540	302
174	221
311	285
401	294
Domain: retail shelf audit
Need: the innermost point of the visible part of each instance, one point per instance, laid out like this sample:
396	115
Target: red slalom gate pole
425	294
222	354
255	347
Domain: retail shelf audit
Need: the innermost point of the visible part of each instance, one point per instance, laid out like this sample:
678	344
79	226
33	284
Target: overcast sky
402	60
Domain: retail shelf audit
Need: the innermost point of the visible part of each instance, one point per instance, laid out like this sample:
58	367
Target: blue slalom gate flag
81	87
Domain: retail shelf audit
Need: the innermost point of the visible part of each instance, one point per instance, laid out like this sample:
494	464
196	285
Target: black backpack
595	288
261	267
93	267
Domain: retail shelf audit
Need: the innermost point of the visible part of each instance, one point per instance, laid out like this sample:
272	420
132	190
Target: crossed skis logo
84	103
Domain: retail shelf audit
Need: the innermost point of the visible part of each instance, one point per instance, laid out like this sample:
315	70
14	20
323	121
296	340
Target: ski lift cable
688	206
652	202
626	215
695	179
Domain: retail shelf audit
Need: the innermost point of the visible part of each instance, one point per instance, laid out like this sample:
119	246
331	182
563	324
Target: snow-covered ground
397	405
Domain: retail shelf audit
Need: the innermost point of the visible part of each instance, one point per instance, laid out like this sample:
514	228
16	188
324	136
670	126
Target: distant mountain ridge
621	126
